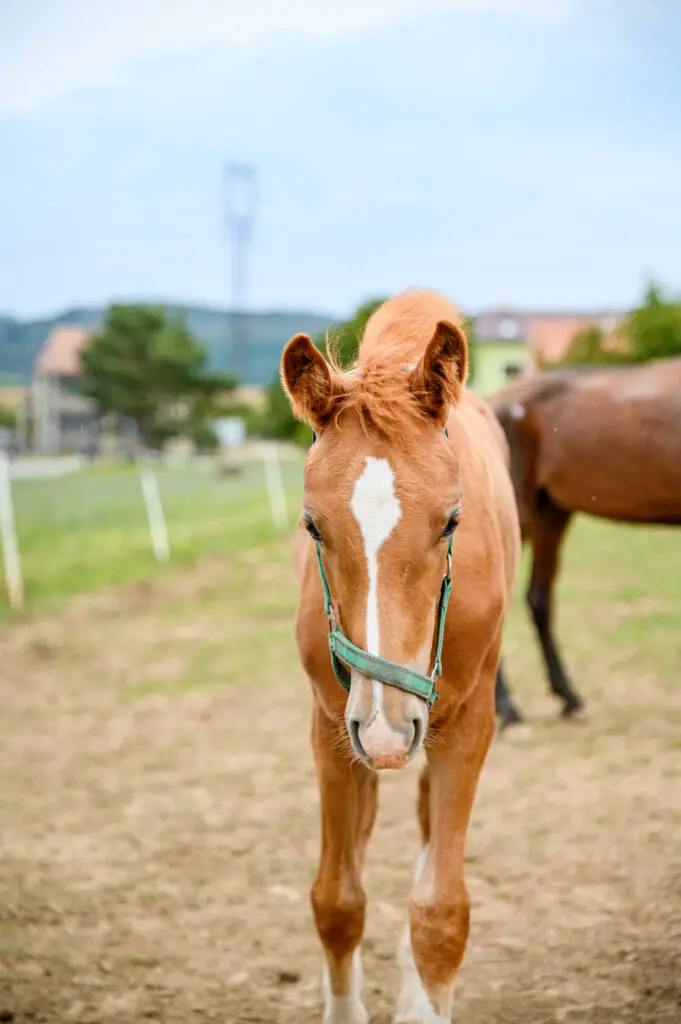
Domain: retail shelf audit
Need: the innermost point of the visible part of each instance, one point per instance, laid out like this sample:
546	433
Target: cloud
49	50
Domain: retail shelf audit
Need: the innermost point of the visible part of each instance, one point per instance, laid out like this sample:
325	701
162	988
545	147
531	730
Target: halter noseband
345	655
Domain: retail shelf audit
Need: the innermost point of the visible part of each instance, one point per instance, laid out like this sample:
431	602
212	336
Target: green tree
146	367
587	348
342	342
650	331
653	331
277	420
8	417
344	338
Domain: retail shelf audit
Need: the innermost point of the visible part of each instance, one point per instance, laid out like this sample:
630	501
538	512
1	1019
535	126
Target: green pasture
89	529
618	603
617	618
618	615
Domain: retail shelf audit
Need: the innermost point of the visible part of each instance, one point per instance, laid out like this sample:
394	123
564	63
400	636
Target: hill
268	332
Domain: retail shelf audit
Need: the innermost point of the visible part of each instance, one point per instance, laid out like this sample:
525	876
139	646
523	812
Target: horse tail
517	423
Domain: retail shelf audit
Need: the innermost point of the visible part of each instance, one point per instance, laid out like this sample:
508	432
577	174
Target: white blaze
377	509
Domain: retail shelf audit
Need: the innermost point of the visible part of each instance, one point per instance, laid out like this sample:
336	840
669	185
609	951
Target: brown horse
397	442
604	441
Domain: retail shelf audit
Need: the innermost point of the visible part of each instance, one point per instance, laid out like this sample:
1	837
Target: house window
508	329
511	370
72	385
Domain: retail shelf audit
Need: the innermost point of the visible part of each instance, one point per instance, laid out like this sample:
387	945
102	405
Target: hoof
573	710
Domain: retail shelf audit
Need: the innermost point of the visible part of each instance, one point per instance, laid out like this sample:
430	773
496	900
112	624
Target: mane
377	385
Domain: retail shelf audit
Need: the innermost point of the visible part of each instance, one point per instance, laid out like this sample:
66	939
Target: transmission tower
240	185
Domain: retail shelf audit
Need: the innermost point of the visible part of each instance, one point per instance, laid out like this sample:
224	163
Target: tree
8	417
343	340
147	368
653	331
342	343
650	331
587	348
278	420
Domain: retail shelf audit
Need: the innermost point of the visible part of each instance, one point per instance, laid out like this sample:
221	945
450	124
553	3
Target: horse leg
411	991
505	707
549	530
348	793
424	805
439	905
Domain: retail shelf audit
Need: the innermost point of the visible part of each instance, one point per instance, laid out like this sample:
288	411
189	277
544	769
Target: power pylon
240	185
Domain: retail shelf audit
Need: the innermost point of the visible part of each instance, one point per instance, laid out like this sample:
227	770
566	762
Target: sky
517	152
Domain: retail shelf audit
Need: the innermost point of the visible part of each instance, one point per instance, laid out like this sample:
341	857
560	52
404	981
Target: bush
8	417
204	437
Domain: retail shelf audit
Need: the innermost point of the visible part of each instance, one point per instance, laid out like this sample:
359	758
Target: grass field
84	530
159	808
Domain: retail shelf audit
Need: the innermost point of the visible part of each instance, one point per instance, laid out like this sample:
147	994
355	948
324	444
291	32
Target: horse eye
311	528
452	524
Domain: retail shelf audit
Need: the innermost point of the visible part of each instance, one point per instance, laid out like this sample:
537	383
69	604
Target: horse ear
438	377
309	382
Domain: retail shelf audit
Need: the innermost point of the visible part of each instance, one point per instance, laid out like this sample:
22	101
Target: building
55	416
512	341
501	352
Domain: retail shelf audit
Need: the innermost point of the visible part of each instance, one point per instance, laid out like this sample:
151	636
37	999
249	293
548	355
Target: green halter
345	655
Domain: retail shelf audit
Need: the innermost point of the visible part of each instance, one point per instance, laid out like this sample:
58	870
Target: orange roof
547	335
60	353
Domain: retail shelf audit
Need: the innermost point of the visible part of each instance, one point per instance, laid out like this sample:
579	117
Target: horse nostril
353	729
417	726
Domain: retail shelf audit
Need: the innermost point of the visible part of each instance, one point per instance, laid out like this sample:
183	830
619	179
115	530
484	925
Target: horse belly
627	478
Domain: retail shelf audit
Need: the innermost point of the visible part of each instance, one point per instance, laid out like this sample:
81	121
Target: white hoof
413	1004
348	1009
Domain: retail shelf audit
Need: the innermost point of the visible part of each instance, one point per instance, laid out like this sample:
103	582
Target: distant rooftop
60	353
547	334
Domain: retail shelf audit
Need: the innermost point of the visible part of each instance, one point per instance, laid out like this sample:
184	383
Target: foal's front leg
348	807
439	902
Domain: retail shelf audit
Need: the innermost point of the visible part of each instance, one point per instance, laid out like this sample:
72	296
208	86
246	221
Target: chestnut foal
404	456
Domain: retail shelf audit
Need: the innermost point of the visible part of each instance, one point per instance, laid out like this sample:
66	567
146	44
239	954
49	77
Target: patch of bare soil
157	853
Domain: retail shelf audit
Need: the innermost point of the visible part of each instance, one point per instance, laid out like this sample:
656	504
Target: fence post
10	545
154	506
275	487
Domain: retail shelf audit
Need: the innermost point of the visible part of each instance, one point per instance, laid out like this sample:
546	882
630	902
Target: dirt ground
159	839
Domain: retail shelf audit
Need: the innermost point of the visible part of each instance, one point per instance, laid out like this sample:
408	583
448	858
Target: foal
404	457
